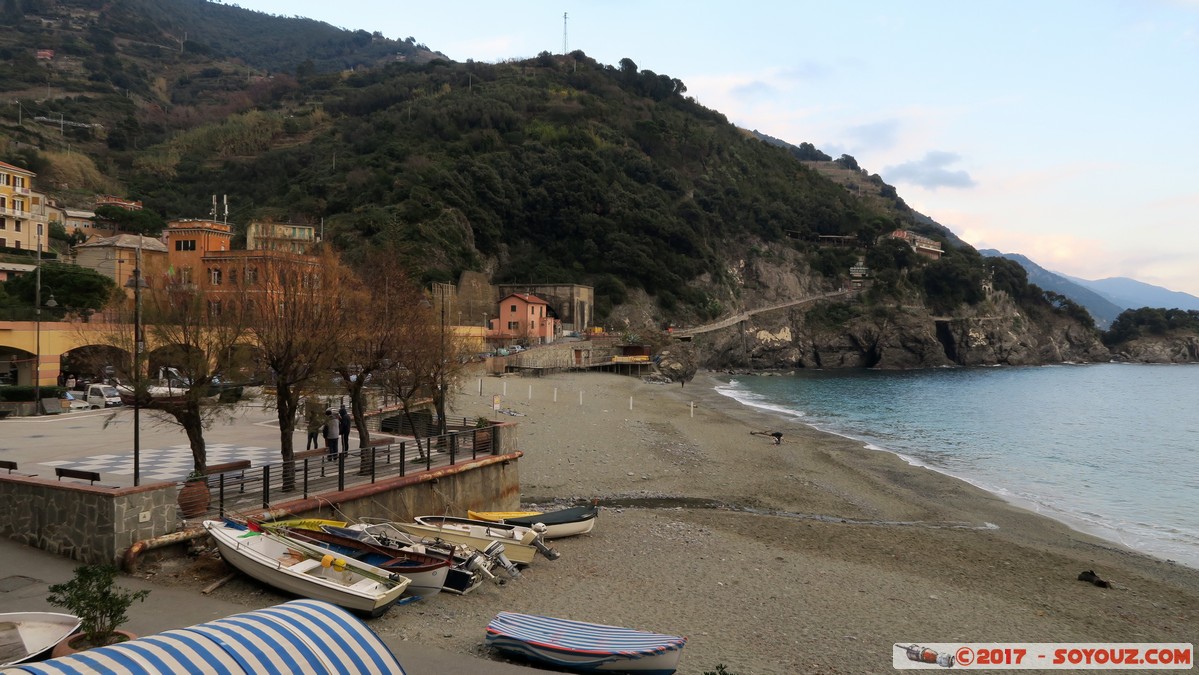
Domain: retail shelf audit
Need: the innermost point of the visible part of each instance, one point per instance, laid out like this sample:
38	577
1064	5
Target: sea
1109	449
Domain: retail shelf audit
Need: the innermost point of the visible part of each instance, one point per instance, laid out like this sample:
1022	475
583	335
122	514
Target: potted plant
99	604
194	497
482	435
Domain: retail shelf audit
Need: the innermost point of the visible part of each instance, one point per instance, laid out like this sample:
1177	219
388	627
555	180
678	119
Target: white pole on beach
630	403
505	389
555	394
480	386
580	397
693	408
530	392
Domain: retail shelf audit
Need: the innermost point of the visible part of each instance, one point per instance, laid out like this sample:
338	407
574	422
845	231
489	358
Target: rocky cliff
1165	349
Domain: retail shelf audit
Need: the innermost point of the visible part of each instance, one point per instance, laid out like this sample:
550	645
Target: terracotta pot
194	498
65	647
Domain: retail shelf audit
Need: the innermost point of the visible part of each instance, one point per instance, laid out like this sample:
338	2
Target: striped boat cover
579	637
302	636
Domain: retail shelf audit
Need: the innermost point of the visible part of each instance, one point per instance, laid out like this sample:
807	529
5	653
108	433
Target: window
233	277
513	325
18	181
185	244
214	307
251	276
3	242
185	275
3	223
18	226
513	310
39	229
17	244
215	275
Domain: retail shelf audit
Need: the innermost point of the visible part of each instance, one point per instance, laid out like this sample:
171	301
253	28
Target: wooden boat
426	573
521	554
564	523
275	561
468	567
502	532
585	647
27	635
473	549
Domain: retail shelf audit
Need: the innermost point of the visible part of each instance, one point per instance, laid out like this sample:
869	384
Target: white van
102	396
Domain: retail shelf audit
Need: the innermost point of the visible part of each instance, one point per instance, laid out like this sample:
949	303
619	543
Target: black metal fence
313	472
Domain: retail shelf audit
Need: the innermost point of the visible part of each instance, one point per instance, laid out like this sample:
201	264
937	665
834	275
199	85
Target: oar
326	558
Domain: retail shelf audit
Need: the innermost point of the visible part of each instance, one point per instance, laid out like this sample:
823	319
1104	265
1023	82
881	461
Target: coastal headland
813	556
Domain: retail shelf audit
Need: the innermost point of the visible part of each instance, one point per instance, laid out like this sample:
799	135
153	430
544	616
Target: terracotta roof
10	167
527	297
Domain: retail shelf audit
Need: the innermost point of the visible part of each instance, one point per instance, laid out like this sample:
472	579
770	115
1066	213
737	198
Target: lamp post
37	316
138	347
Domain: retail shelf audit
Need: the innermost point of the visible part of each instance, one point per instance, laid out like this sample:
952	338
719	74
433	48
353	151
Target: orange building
524	317
188	241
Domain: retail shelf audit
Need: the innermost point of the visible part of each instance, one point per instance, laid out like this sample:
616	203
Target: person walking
343	421
313	421
332	433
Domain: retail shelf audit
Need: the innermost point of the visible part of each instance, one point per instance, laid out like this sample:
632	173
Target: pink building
524	318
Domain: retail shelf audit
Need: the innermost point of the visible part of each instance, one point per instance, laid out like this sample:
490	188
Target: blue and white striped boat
303	636
586	647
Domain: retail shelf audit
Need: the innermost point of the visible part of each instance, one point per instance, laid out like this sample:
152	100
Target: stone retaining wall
90	524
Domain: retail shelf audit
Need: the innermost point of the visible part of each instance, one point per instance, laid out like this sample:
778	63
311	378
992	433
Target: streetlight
137	282
37	315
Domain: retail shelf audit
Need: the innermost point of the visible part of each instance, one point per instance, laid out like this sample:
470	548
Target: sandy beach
814	556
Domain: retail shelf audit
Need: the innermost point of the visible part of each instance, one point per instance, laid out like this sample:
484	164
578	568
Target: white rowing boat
27	635
274	561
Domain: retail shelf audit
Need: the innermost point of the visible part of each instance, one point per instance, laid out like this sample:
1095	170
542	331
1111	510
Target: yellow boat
500	516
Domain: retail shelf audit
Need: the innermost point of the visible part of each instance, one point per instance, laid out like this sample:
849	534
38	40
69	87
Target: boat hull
521	554
274	563
427	574
585	647
565	523
28	635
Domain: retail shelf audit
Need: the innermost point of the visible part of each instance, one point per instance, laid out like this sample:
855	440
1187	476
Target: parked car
72	402
102	396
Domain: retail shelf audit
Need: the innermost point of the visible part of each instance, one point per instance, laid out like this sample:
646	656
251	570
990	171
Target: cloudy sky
1066	130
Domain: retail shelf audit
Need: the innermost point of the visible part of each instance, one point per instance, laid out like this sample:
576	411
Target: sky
1065	130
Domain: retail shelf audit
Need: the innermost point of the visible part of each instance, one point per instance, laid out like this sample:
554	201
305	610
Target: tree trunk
287	403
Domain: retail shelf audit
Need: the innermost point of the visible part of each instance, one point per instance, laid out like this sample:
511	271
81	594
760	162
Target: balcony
15	213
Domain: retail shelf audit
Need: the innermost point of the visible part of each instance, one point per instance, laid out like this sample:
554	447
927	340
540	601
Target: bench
228	467
91	476
12	466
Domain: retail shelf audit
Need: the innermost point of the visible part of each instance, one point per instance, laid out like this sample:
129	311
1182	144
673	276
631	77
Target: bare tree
295	317
372	329
411	377
193	331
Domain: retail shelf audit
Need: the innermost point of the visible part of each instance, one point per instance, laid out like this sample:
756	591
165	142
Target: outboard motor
495	551
475	563
533	538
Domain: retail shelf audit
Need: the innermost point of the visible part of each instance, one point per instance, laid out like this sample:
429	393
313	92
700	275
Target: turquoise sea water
1110	449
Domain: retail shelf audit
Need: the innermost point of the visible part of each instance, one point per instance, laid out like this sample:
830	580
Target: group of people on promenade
331	426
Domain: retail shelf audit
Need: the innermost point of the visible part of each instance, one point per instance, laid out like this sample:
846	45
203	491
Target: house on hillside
22	211
524	318
930	248
117	256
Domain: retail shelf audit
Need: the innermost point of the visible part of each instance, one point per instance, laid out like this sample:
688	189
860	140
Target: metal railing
312	473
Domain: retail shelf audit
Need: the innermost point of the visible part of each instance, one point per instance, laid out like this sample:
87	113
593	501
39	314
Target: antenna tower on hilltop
565	48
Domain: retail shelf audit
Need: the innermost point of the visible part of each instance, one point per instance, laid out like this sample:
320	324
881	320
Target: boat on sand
585	647
564	523
530	536
276	561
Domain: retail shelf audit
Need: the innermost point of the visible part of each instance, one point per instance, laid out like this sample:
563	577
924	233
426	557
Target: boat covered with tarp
585	647
302	636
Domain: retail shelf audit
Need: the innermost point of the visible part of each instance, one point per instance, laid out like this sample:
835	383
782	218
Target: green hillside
557	169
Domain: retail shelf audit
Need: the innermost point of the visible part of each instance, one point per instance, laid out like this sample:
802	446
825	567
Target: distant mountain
1102	309
1133	294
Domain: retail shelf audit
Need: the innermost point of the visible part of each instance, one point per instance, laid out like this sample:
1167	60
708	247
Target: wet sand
814	556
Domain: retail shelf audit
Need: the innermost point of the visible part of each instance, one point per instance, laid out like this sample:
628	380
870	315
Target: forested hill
557	169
